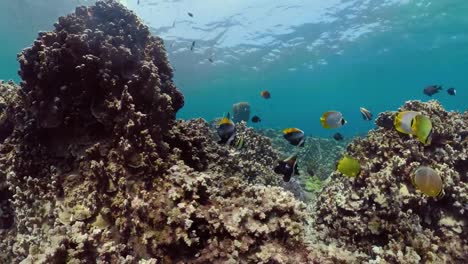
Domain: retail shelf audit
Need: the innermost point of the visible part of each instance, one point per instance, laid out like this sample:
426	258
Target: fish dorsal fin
225	120
291	130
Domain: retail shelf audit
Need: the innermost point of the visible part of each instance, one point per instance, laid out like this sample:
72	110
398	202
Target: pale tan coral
382	214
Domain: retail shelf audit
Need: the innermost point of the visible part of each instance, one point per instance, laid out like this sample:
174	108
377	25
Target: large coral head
87	62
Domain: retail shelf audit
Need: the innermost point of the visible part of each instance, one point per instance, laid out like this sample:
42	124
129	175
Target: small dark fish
294	136
138	2
431	90
190	14
287	167
366	114
210	60
338	137
193	45
451	91
265	94
226	130
173	24
256	119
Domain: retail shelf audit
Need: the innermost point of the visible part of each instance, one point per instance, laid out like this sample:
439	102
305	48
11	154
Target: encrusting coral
98	169
380	214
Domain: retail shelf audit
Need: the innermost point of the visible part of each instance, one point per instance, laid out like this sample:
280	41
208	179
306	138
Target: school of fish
411	123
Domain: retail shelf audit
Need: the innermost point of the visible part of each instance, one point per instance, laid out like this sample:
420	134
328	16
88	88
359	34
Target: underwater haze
312	55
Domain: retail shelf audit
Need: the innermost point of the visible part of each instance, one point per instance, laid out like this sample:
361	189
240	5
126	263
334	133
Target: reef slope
381	215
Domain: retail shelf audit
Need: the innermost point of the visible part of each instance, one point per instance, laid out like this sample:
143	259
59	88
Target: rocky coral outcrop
98	169
382	215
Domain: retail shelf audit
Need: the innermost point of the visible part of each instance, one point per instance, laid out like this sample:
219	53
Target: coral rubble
382	215
96	168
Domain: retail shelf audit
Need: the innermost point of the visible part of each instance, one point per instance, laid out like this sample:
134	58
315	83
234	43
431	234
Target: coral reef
318	156
97	169
8	101
240	112
317	160
380	214
94	167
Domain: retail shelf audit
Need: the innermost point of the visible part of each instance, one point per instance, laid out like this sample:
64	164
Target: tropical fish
294	136
287	167
349	166
366	114
428	181
338	137
193	45
190	14
265	94
239	144
210	60
451	91
402	121
422	127
332	119
432	89
226	130
256	119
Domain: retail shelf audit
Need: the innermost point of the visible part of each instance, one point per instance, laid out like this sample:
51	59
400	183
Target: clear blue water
312	55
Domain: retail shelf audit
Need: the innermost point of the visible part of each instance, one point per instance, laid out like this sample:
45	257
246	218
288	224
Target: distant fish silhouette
256	119
451	91
432	89
338	137
193	45
173	24
138	2
265	94
190	14
210	60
